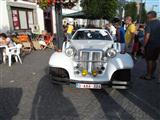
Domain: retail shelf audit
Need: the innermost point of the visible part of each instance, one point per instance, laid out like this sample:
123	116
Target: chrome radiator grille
96	56
84	58
90	60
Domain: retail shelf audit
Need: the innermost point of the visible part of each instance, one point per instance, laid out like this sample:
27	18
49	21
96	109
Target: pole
59	28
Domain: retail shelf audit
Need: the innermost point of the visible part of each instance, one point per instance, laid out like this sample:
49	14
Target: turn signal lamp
84	72
94	73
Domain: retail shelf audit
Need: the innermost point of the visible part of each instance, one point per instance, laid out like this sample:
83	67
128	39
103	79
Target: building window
30	19
15	19
22	18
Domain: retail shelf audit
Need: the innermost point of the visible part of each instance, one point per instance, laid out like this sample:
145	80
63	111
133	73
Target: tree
143	13
100	8
131	10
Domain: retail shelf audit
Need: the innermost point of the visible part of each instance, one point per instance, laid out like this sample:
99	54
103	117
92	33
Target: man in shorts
151	44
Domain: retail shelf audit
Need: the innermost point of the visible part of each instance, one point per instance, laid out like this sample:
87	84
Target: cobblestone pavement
27	94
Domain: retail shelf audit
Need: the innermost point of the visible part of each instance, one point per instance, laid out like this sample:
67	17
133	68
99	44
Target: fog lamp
94	73
84	72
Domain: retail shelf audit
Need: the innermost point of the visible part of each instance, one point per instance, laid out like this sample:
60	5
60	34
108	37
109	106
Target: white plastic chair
9	51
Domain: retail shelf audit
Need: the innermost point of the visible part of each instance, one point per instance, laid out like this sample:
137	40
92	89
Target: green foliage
100	8
131	10
43	4
143	14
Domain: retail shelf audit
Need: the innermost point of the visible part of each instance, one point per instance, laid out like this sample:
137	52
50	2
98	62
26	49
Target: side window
79	35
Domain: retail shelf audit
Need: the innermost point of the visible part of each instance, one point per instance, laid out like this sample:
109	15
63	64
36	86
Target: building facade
20	15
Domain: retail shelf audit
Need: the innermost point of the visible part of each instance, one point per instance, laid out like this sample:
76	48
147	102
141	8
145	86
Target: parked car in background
91	59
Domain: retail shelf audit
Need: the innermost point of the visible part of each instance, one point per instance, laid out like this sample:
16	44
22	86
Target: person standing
130	34
120	33
112	31
70	30
151	44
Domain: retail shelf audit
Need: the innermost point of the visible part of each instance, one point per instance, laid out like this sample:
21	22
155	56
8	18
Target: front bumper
113	84
60	76
69	81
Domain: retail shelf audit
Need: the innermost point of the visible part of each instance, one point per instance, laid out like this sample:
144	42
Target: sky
153	5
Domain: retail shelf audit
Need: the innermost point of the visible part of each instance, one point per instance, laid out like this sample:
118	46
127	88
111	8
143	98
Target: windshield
92	35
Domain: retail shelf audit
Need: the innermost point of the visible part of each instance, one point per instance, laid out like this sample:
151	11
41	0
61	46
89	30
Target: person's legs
129	47
151	67
158	67
69	36
151	56
150	64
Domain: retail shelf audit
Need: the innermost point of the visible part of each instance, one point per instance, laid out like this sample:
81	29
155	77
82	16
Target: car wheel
121	79
58	72
58	75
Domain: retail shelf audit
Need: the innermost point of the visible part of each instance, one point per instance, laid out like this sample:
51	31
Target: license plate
90	86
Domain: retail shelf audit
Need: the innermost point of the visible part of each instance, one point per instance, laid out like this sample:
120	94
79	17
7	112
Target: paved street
27	94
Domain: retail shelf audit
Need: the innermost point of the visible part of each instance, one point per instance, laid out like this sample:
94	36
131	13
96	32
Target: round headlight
111	52
70	51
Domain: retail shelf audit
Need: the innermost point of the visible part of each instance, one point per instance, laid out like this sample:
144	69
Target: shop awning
79	14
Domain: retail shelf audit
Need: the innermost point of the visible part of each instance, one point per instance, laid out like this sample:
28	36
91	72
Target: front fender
60	60
121	61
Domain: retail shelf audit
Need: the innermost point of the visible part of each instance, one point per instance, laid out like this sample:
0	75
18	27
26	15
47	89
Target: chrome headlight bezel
70	51
111	52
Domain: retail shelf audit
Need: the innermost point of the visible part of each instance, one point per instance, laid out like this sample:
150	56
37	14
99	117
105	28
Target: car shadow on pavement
144	94
50	104
9	101
112	110
149	104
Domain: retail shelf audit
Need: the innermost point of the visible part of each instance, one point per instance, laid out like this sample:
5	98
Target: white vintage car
91	59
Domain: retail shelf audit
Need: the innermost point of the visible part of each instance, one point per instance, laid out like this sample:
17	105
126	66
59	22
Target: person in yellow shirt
130	33
69	31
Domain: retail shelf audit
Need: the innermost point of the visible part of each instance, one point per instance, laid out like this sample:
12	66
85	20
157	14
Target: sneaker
145	77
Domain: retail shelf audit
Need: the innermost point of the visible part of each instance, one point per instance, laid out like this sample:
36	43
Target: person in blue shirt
120	33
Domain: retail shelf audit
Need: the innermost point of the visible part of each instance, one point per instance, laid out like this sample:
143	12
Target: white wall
54	19
4	20
40	18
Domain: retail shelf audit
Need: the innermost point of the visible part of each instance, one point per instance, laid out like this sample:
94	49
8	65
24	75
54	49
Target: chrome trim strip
120	82
88	61
120	87
91	50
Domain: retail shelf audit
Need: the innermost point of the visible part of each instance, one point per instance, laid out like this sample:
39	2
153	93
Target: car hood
92	44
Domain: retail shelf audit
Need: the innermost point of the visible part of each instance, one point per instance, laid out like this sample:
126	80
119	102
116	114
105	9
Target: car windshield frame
92	35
